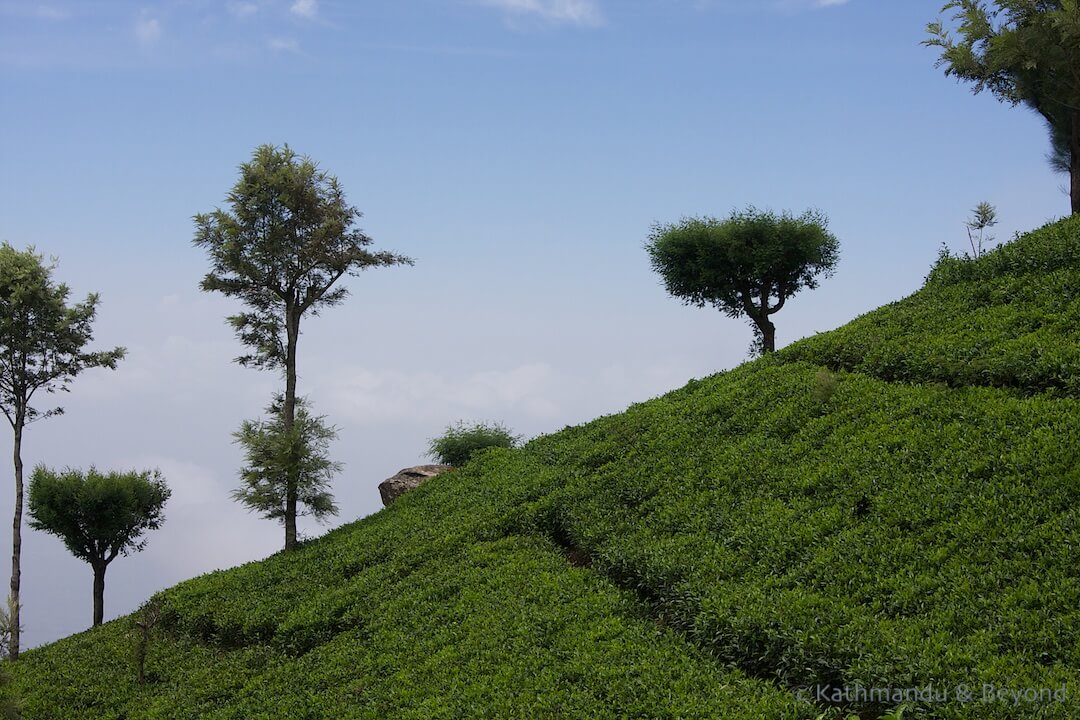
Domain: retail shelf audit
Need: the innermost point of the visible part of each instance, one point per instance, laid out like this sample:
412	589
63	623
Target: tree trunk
99	591
768	336
16	542
765	325
292	330
1074	163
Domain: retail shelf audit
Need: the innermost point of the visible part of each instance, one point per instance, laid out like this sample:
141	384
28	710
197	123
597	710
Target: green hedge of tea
710	553
1008	319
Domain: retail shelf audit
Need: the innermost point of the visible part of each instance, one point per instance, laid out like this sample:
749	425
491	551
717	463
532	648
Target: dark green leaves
270	451
1010	318
1022	51
42	339
459	442
726	263
748	264
97	515
287	238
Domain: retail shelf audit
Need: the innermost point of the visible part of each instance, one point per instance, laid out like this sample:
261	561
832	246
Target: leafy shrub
459	442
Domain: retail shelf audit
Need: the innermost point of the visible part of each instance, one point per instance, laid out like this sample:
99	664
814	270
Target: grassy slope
700	555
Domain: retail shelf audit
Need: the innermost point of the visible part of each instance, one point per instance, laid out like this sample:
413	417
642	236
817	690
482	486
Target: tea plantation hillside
778	541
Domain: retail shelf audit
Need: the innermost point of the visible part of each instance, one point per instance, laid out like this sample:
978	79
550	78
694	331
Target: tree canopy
289	238
99	516
270	450
42	348
42	338
747	264
1023	52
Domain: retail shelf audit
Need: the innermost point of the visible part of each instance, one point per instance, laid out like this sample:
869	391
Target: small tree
1024	52
461	441
5	630
42	349
748	264
98	515
273	452
287	241
984	216
144	622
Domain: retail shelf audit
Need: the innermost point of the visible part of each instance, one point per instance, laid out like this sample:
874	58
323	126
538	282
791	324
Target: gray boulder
407	479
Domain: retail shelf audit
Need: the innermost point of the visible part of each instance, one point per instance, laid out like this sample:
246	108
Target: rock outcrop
407	479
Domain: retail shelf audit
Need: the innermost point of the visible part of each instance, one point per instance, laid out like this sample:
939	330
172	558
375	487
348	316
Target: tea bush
727	550
460	442
1010	319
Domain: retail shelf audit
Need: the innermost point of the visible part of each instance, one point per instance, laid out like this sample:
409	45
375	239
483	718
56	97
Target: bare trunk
768	330
1074	163
292	329
768	336
16	542
99	591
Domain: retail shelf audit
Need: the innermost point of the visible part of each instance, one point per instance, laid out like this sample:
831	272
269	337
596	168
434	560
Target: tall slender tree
288	238
42	342
1025	52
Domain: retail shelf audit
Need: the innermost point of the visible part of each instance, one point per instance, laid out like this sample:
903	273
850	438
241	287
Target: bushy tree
99	516
748	264
277	455
288	239
1024	52
42	348
461	441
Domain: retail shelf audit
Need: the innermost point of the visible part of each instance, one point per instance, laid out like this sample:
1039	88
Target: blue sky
519	150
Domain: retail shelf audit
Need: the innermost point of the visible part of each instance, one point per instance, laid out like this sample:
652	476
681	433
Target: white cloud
831	3
305	8
573	12
242	10
283	44
379	396
191	483
147	30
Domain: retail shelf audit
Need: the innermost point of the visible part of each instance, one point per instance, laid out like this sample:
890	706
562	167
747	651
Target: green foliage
98	515
460	442
288	239
271	449
143	623
9	701
42	338
741	263
825	384
742	546
42	349
1010	318
983	217
1023	52
7	618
